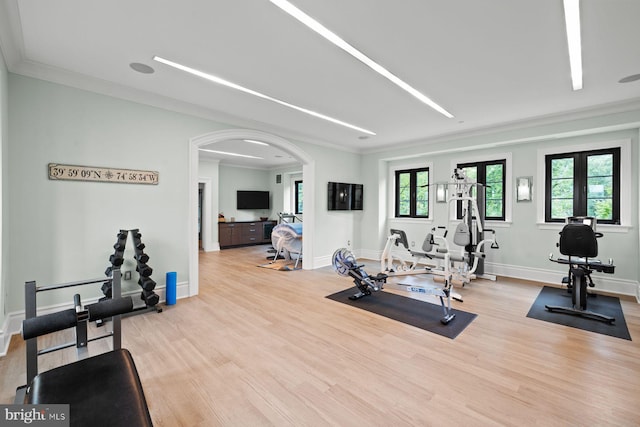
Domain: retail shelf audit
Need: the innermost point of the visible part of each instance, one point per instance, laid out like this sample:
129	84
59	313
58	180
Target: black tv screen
252	199
357	198
344	197
338	196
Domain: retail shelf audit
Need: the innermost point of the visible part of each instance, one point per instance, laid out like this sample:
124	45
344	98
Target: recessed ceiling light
235	86
141	68
339	42
572	22
253	141
226	153
629	79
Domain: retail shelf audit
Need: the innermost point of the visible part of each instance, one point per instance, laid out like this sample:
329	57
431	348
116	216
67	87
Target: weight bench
103	390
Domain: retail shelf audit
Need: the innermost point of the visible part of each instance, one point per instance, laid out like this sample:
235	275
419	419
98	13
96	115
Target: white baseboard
604	282
13	321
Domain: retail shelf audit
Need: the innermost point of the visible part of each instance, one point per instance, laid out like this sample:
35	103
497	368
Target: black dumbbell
143	258
144	270
147	283
107	289
116	260
150	298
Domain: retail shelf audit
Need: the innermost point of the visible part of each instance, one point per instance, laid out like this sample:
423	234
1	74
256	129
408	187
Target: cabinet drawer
251	233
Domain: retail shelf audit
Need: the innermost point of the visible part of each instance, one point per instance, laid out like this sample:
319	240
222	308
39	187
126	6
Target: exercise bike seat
102	390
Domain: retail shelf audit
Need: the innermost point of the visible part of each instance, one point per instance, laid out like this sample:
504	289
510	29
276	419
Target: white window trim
392	190
508	182
625	180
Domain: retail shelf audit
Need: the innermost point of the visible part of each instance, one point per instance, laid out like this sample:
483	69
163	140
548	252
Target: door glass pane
600	186
494	191
299	197
472	176
422	193
562	187
404	194
561	208
600	208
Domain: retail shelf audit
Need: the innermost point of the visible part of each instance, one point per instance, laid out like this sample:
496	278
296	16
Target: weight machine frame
82	340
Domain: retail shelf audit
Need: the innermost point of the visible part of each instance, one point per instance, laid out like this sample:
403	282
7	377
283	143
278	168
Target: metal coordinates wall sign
100	174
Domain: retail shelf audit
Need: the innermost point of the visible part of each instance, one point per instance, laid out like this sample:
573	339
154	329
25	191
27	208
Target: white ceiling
489	63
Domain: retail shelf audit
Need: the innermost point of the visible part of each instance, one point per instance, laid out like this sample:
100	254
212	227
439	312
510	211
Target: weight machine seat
103	390
439	253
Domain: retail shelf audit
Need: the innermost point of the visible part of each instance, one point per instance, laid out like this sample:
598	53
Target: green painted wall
64	231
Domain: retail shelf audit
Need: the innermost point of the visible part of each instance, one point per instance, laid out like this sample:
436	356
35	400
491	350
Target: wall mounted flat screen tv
344	197
252	199
357	197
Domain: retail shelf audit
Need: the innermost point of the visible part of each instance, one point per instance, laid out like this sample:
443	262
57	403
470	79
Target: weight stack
145	281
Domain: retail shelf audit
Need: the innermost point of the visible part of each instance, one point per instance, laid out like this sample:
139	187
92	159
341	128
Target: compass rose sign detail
102	174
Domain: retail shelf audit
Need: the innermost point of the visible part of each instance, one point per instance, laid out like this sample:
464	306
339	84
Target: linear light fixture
338	41
572	22
235	86
226	153
253	141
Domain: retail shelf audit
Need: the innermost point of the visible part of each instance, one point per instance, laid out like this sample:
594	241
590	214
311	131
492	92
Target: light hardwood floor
261	347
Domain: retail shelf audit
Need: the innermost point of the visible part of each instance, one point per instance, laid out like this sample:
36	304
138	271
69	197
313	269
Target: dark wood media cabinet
244	233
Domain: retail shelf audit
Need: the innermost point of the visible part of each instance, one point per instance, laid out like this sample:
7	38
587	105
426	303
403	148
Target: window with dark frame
583	183
298	196
492	174
412	193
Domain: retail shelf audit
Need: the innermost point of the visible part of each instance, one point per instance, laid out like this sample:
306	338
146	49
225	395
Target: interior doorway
200	195
308	173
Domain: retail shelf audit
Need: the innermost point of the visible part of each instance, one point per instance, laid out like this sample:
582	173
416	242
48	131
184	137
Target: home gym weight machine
345	264
461	265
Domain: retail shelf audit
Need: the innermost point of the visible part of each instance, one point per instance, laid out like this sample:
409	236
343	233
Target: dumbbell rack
145	281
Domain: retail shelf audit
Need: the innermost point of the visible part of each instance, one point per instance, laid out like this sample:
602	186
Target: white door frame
206	224
308	175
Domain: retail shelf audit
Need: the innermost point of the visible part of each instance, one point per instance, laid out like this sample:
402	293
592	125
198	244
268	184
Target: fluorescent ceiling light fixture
229	84
230	154
253	141
572	22
338	41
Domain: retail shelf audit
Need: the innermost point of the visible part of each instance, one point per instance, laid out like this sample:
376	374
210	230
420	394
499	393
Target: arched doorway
308	176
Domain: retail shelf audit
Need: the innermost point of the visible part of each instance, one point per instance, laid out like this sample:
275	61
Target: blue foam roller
172	279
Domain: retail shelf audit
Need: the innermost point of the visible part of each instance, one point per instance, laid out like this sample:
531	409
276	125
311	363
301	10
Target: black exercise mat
411	311
603	304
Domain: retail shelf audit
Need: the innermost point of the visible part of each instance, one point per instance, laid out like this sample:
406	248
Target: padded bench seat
102	390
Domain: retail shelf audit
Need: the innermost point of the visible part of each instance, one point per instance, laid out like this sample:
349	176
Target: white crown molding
12	49
531	123
11	41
